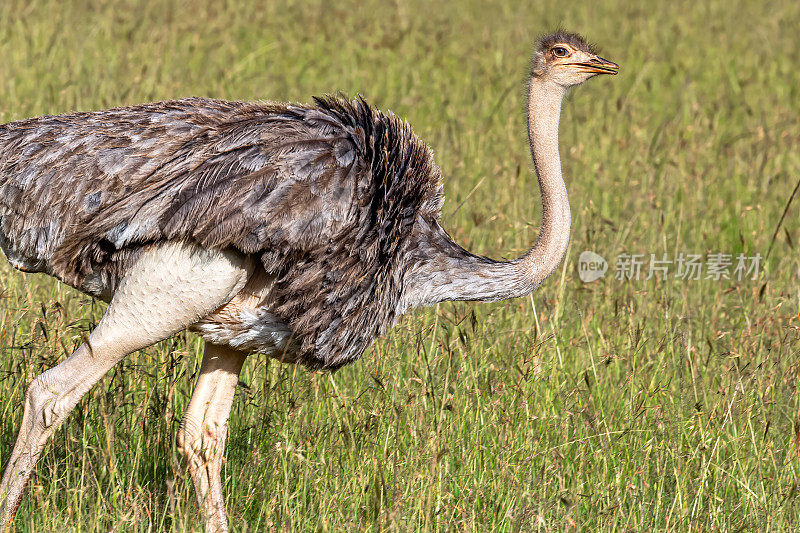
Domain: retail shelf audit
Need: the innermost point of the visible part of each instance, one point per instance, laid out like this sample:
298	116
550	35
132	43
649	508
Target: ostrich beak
598	65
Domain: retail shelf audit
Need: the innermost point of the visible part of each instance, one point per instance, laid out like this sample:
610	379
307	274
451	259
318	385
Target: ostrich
300	232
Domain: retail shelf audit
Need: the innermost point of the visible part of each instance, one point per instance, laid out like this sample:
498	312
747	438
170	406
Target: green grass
619	405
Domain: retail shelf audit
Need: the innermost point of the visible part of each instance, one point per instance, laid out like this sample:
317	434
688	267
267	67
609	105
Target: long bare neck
456	274
544	111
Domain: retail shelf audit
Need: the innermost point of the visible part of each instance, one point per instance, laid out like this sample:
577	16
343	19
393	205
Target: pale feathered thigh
244	323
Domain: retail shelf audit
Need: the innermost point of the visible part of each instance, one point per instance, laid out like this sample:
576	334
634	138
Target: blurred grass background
619	405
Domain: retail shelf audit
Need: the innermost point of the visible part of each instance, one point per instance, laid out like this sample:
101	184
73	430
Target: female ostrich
297	231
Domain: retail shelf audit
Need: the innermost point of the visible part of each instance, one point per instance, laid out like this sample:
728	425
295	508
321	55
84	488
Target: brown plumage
326	196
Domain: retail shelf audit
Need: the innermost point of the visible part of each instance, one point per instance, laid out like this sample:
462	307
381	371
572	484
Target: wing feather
259	178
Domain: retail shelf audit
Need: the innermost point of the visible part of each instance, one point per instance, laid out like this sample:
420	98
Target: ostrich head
567	59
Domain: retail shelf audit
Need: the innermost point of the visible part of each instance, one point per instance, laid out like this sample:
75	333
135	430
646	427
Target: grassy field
620	405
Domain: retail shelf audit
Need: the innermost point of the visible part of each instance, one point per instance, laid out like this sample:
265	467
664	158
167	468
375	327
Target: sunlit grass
658	405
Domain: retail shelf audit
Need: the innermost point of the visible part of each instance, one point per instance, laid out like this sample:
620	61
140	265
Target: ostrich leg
167	290
201	438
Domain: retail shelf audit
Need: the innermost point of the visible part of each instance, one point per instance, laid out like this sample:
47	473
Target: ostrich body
298	231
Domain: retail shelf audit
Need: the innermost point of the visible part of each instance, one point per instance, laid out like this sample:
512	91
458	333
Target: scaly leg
168	289
204	428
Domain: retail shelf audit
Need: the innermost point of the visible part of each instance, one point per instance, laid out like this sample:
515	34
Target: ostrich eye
560	51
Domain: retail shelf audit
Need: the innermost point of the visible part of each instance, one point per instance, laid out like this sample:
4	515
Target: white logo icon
591	266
